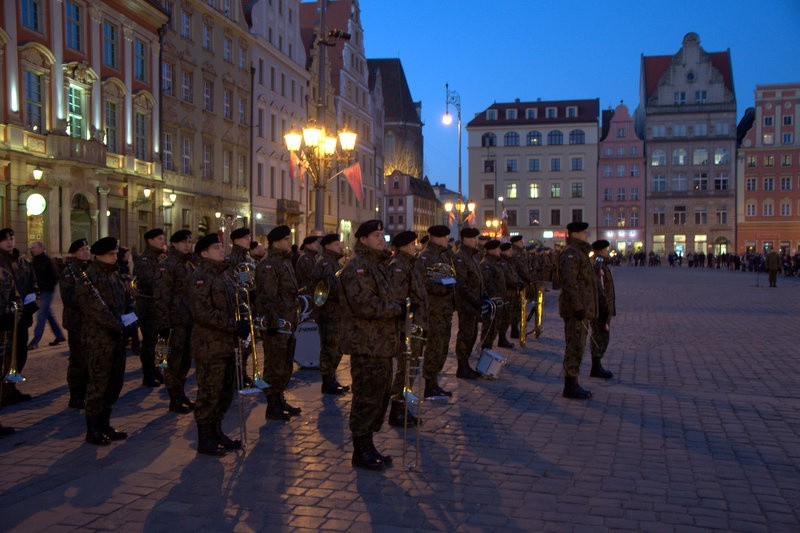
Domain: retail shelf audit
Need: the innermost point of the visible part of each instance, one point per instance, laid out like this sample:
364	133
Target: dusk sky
554	50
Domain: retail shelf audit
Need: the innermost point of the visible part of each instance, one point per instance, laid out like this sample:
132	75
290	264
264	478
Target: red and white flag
296	167
353	175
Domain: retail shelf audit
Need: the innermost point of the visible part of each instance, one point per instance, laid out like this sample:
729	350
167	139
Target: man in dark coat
47	280
601	326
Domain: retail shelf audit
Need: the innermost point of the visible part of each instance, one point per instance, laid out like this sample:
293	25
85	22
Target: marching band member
494	283
469	295
304	268
77	369
147	269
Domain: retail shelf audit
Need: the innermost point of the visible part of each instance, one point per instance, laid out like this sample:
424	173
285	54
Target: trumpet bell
14	377
321	292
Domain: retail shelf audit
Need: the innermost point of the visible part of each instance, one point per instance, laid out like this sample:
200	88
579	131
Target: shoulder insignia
267	265
398	270
360	271
199	283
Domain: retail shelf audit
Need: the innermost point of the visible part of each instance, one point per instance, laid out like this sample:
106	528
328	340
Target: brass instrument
523	318
244	277
163	350
411	331
442	273
307	303
13	374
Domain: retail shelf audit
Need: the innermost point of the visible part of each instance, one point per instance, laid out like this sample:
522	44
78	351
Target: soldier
105	306
601	326
276	300
511	310
330	314
494	283
435	267
174	320
371	340
520	260
577	303
469	296
214	331
406	281
773	266
147	269
8	297
240	251
77	369
304	268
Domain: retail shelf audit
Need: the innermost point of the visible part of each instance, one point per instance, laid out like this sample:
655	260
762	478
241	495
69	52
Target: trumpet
411	331
14	376
244	276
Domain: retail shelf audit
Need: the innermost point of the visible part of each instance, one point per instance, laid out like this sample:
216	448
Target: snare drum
490	364
306	353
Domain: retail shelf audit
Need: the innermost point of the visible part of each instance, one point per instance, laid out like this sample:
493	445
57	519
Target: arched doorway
80	219
720	246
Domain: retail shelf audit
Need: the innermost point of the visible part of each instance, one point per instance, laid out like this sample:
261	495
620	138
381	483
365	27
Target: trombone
245	282
14	376
411	331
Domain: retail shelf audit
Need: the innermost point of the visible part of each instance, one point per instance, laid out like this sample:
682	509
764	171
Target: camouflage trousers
214	389
105	359
147	353
329	353
510	313
437	344
575	338
278	360
179	361
491	326
77	370
372	379
467	333
402	378
600	337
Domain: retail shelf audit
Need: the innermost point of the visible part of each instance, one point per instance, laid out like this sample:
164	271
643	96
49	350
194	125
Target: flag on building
354	178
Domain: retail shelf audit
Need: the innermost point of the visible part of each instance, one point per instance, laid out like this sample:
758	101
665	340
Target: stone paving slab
697	431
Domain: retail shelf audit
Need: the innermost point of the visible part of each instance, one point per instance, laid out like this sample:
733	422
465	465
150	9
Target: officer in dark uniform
469	295
77	369
276	301
240	251
329	318
494	287
522	269
106	307
435	266
174	320
147	269
371	340
577	304
212	296
601	326
406	281
304	268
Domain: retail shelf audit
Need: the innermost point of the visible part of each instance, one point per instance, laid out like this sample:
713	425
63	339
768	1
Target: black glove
242	328
7	322
580	314
30	308
164	332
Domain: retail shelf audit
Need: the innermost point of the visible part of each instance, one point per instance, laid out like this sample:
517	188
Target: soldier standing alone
601	326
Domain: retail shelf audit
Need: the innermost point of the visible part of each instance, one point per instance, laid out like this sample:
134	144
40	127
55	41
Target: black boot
225	441
331	386
397	416
76	401
574	391
387	459
94	434
293	411
466	372
503	342
275	410
108	431
206	441
514	331
177	404
598	371
433	390
363	454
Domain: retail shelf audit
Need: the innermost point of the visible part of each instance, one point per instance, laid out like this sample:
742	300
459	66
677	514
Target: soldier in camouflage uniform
330	314
240	251
435	267
8	294
577	303
148	270
494	287
371	339
522	269
276	300
601	326
174	320
77	369
469	296
105	305
406	281
304	268
511	312
212	295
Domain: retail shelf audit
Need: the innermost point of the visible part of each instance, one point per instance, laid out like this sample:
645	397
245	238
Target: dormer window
511	114
551	112
491	114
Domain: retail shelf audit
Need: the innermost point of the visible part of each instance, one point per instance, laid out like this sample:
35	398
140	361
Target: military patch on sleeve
267	267
360	271
199	283
398	270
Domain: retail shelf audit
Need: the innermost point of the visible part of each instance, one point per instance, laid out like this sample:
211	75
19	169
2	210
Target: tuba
14	375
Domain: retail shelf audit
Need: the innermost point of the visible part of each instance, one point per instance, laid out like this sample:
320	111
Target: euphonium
13	374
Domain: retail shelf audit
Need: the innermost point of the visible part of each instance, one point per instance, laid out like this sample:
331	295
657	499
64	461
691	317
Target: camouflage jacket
212	304
578	281
441	298
372	314
148	270
494	278
171	299
513	283
71	316
469	280
24	283
276	289
521	266
325	270
237	256
406	281
607	305
102	313
8	288
304	271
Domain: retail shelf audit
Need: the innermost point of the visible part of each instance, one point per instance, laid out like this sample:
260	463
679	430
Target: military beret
600	244
77	245
278	232
505	246
530	247
121	254
403	238
329	238
516	238
368	227
574	227
491	245
238	233
254	245
311	239
104	246
153	233
439	231
5	233
424	239
205	242
483	238
181	235
470	233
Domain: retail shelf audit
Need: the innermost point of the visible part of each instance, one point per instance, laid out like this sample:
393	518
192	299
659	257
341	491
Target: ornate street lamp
454	99
461	211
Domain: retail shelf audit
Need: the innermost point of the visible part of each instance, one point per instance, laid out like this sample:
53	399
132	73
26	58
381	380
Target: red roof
656	66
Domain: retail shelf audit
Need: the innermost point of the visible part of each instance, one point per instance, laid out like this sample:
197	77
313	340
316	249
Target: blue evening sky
505	49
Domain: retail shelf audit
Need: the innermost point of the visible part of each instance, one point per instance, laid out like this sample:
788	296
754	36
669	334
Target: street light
316	151
452	97
460	210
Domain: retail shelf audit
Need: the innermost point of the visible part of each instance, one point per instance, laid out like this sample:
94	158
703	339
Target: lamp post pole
454	99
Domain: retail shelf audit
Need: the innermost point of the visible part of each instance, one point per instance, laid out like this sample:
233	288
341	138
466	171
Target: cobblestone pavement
698	430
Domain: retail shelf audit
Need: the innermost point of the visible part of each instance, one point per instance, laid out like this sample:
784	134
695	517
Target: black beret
205	242
77	245
470	233
483	238
424	239
574	227
104	246
181	235
153	233
121	253
439	231
368	227
254	245
403	238
491	245
530	247
600	244
311	239
516	238
505	246
278	232
238	233
5	233
329	238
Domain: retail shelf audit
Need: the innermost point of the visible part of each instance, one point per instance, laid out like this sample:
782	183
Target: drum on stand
306	353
